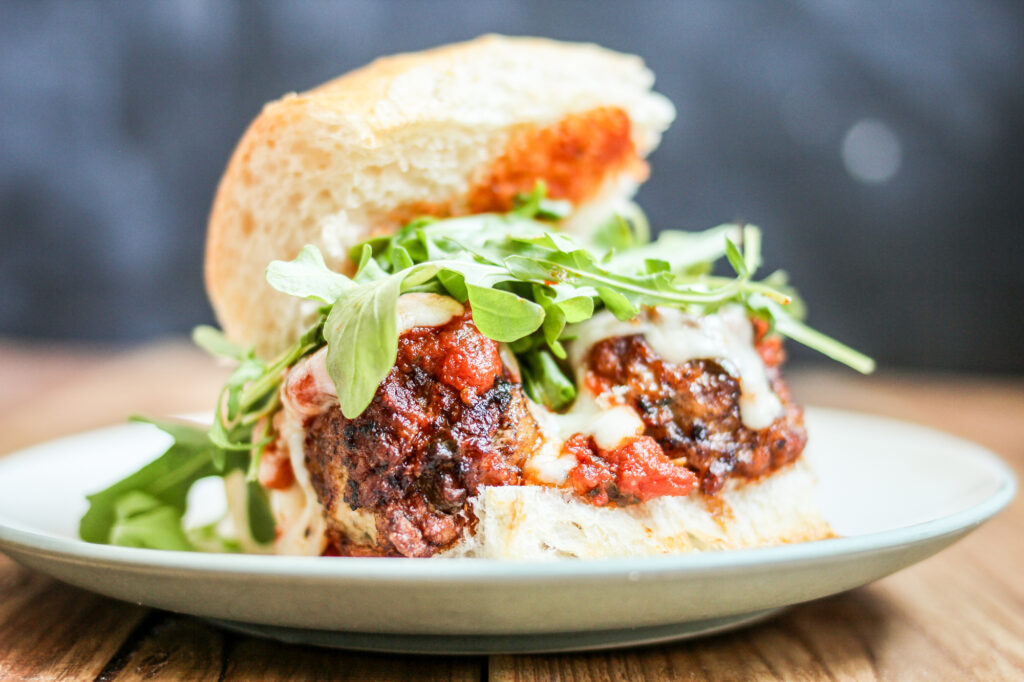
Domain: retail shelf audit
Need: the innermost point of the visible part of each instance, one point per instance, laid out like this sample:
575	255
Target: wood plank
52	631
33	368
169	647
255	659
876	632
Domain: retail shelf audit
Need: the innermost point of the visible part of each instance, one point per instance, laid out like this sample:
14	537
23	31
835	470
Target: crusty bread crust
539	523
448	131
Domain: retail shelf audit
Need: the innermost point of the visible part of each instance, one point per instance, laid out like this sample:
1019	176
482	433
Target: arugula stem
825	345
691	297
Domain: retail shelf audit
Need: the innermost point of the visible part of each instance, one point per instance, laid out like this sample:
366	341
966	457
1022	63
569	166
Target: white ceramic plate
897	494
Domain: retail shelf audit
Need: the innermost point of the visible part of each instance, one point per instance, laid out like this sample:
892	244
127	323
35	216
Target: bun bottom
539	523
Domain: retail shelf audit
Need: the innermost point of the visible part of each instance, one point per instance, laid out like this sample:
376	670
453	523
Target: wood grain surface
958	615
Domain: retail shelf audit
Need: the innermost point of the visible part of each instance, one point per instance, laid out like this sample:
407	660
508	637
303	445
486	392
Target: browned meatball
448	419
692	411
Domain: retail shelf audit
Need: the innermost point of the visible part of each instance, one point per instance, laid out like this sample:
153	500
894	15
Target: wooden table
959	615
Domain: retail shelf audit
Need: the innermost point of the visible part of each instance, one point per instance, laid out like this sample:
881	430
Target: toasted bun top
454	130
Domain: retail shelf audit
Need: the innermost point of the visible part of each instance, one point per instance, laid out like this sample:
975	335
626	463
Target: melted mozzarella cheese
301	524
609	424
308	389
426	310
301	518
508	358
615	425
547	463
726	336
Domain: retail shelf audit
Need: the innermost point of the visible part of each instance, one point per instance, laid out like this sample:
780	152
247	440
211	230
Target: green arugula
146	508
526	283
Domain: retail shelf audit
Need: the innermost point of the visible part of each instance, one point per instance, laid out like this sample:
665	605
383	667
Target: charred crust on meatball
692	410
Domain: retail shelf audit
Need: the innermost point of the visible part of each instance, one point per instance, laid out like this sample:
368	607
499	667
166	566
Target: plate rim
470	570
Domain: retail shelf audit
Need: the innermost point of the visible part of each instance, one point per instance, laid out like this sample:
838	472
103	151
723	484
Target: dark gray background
116	119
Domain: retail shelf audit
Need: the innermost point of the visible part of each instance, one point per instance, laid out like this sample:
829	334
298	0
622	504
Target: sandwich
454	335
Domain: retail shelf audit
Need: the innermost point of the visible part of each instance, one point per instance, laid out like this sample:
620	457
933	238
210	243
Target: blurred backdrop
879	145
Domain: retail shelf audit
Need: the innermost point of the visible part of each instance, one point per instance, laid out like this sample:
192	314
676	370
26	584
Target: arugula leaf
618	303
554	325
369	270
362	341
579	268
536	204
142	520
736	259
400	259
544	381
798	331
682	251
575	308
613	233
562	305
751	248
215	343
166	479
621	232
261	518
146	508
485	259
189	435
208	539
454	284
250	397
501	315
307	276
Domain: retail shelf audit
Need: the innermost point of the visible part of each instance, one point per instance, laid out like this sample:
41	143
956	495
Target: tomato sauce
573	157
275	470
768	347
635	472
457	354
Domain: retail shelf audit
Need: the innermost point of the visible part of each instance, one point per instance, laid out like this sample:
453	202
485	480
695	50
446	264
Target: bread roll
451	131
542	523
455	130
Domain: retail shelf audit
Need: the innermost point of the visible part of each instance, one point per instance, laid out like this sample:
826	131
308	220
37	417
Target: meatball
692	411
448	419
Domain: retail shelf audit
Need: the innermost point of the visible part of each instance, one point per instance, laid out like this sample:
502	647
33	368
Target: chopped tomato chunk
635	472
593	475
459	355
645	472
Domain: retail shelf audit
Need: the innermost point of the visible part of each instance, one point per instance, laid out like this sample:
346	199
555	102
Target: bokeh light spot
871	151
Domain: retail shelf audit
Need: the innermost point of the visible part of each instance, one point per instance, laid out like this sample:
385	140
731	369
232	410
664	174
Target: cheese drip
610	425
726	337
